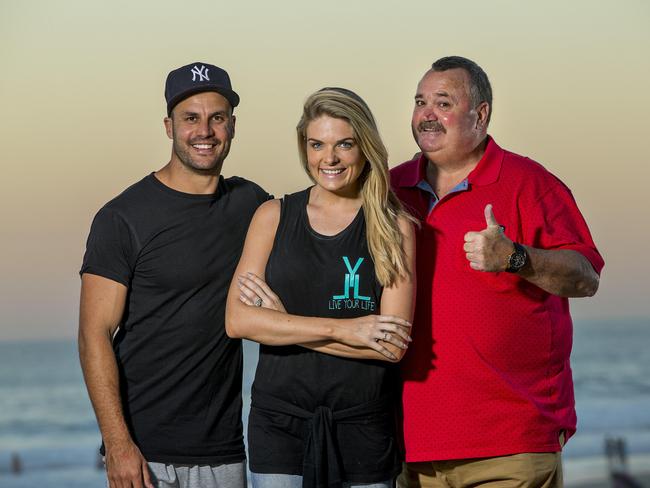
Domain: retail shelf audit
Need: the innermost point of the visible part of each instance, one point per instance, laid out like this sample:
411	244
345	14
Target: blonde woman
326	285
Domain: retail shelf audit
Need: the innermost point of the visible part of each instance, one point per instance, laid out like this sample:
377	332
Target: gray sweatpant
192	476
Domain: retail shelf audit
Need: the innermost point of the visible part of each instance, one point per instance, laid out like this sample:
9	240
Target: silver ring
385	336
258	302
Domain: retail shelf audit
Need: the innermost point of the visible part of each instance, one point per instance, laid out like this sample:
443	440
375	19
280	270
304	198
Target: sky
81	94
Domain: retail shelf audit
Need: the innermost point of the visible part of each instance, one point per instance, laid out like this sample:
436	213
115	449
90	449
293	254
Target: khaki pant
527	470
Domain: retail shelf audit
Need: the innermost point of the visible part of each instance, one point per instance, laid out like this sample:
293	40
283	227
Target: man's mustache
431	125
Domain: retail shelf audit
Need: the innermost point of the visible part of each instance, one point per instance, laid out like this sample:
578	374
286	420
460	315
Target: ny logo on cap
201	72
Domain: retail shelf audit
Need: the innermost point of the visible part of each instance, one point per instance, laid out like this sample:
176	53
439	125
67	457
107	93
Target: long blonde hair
380	205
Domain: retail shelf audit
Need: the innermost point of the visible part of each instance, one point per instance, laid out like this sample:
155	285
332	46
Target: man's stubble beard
188	162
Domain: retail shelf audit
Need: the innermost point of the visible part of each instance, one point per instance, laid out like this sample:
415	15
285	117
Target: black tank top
321	276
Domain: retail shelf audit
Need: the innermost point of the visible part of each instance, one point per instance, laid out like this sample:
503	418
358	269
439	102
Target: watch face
517	260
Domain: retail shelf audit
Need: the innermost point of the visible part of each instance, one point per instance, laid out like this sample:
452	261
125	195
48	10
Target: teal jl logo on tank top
351	281
351	285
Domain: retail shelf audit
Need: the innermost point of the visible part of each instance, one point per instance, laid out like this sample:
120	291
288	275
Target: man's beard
185	157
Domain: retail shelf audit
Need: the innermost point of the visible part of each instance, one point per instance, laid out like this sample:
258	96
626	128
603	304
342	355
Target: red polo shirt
488	371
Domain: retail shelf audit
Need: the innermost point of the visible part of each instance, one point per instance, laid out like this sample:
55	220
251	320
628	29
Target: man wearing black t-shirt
163	377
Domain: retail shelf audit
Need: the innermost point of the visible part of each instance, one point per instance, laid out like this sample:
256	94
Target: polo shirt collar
415	174
489	167
486	172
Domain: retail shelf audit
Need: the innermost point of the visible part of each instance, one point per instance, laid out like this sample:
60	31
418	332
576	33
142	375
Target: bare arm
275	327
101	308
561	272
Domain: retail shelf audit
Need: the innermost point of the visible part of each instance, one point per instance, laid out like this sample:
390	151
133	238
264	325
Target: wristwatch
517	259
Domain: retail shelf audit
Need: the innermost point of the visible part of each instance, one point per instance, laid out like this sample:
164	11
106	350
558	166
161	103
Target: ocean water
47	421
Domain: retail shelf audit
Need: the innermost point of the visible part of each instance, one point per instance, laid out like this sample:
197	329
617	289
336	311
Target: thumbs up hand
489	249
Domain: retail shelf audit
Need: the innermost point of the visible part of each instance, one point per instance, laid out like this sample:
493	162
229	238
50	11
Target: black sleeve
262	194
111	248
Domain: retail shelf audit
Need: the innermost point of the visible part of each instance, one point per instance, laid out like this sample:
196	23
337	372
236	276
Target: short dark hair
480	89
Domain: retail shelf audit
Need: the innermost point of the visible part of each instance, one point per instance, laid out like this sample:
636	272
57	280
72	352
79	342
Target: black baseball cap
196	78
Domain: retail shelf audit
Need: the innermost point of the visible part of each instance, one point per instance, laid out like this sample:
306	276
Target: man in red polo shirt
488	395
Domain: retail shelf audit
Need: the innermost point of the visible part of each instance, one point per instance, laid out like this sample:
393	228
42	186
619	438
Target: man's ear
169	127
234	119
483	112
